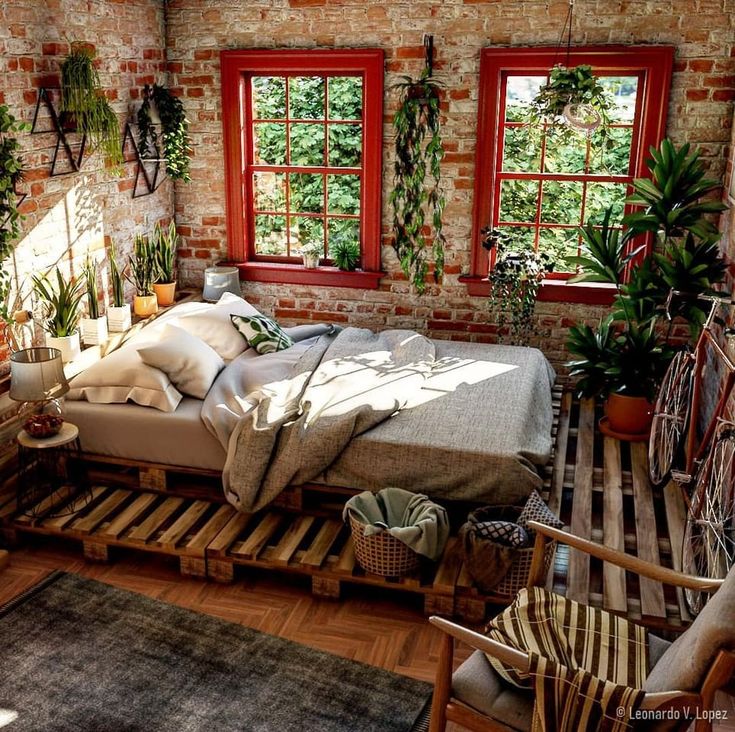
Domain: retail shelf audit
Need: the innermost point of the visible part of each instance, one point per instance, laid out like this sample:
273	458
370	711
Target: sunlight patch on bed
7	716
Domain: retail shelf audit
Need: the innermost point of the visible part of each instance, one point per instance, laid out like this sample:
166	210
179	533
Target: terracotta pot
165	293
629	415
145	305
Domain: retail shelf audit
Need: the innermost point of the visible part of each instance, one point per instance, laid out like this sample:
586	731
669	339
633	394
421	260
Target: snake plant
165	242
90	284
61	303
142	267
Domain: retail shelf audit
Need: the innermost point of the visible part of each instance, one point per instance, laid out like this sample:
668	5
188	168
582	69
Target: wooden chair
682	675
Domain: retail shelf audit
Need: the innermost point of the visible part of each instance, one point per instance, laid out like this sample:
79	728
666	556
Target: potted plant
311	253
118	314
626	355
60	306
160	106
165	242
84	106
94	327
142	269
345	253
515	279
416	197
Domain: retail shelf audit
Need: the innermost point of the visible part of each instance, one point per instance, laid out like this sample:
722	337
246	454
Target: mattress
145	434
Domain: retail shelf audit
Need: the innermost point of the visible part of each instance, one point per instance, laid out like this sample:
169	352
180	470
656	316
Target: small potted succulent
142	273
165	242
345	253
118	314
312	252
94	326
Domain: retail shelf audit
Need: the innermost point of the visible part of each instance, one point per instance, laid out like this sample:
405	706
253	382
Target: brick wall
703	87
68	215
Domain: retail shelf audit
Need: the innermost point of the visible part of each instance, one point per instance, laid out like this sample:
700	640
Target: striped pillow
262	333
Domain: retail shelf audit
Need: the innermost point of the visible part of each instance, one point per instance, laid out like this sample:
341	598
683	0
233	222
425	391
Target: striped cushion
262	333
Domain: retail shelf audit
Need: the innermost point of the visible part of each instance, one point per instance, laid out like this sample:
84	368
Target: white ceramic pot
68	345
94	330
118	319
311	261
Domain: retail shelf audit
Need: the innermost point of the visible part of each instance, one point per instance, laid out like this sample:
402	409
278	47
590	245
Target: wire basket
517	577
382	553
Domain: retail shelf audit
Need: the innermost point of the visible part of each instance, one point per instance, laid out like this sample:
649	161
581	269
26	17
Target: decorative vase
118	318
68	345
165	293
145	305
628	415
311	261
94	330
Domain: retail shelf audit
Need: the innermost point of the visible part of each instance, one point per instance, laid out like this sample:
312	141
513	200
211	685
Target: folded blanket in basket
411	517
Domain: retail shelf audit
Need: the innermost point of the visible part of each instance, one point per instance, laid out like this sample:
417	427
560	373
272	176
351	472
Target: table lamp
37	379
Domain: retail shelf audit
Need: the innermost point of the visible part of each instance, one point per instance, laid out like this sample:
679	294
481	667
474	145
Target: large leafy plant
627	352
59	302
417	179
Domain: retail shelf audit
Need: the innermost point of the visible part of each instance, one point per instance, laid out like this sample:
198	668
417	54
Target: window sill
297	274
587	293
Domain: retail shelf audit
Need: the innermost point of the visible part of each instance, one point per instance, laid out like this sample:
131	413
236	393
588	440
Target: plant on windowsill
165	243
624	358
311	253
85	108
142	270
94	327
417	192
515	280
60	307
118	314
345	253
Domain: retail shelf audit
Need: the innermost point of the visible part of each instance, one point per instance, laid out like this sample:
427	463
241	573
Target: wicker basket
382	553
517	577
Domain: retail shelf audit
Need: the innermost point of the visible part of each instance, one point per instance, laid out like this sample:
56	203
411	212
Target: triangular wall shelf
147	170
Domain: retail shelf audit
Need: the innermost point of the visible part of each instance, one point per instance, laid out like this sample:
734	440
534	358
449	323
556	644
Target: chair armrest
627	561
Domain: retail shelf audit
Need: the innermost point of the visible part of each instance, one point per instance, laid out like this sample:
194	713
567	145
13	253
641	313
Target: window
539	189
303	149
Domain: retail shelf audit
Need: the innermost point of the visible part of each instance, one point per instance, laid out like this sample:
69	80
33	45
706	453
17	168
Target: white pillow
122	376
213	325
189	362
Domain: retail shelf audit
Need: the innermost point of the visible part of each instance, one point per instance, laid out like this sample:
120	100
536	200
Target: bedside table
46	486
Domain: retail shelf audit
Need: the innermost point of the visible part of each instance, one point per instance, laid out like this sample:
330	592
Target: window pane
270	191
602	195
269	97
519	91
307	192
269	143
343	230
559	244
270	235
624	90
345	97
521	150
519	238
343	194
306	230
307	144
518	200
562	202
565	155
306	97
611	155
345	145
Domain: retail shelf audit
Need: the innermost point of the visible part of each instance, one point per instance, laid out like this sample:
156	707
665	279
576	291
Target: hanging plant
11	174
515	281
174	130
417	178
83	103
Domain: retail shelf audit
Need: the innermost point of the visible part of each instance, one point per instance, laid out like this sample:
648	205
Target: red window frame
236	69
651	64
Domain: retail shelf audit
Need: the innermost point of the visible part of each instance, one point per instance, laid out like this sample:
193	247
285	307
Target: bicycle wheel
670	417
709	536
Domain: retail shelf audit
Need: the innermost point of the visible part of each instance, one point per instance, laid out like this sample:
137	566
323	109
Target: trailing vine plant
174	130
417	178
11	173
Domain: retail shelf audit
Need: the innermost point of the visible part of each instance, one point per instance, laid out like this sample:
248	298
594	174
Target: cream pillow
122	376
190	363
213	325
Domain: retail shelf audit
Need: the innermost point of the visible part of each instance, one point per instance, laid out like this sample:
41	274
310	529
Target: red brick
697	95
204	54
701	65
55	49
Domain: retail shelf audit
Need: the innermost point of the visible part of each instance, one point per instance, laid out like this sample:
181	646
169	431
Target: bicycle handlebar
722	299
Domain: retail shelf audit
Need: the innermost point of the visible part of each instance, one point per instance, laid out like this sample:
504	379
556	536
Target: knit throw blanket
585	664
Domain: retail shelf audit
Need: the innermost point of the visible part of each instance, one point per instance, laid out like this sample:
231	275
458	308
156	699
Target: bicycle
708	547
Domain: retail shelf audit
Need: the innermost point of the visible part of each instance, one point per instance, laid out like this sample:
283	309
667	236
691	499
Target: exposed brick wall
68	215
700	111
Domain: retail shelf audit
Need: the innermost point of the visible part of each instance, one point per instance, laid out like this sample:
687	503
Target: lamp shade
218	280
37	374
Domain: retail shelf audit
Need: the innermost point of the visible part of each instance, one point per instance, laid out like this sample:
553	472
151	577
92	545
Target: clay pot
145	305
165	293
629	415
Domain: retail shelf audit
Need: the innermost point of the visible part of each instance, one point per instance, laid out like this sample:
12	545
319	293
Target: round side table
47	484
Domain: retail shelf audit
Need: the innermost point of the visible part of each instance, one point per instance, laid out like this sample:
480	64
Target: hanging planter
417	198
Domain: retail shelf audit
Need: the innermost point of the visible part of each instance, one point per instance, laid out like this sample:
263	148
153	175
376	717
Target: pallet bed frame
183	514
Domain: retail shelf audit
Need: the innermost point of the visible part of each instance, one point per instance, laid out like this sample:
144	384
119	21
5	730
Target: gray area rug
80	655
